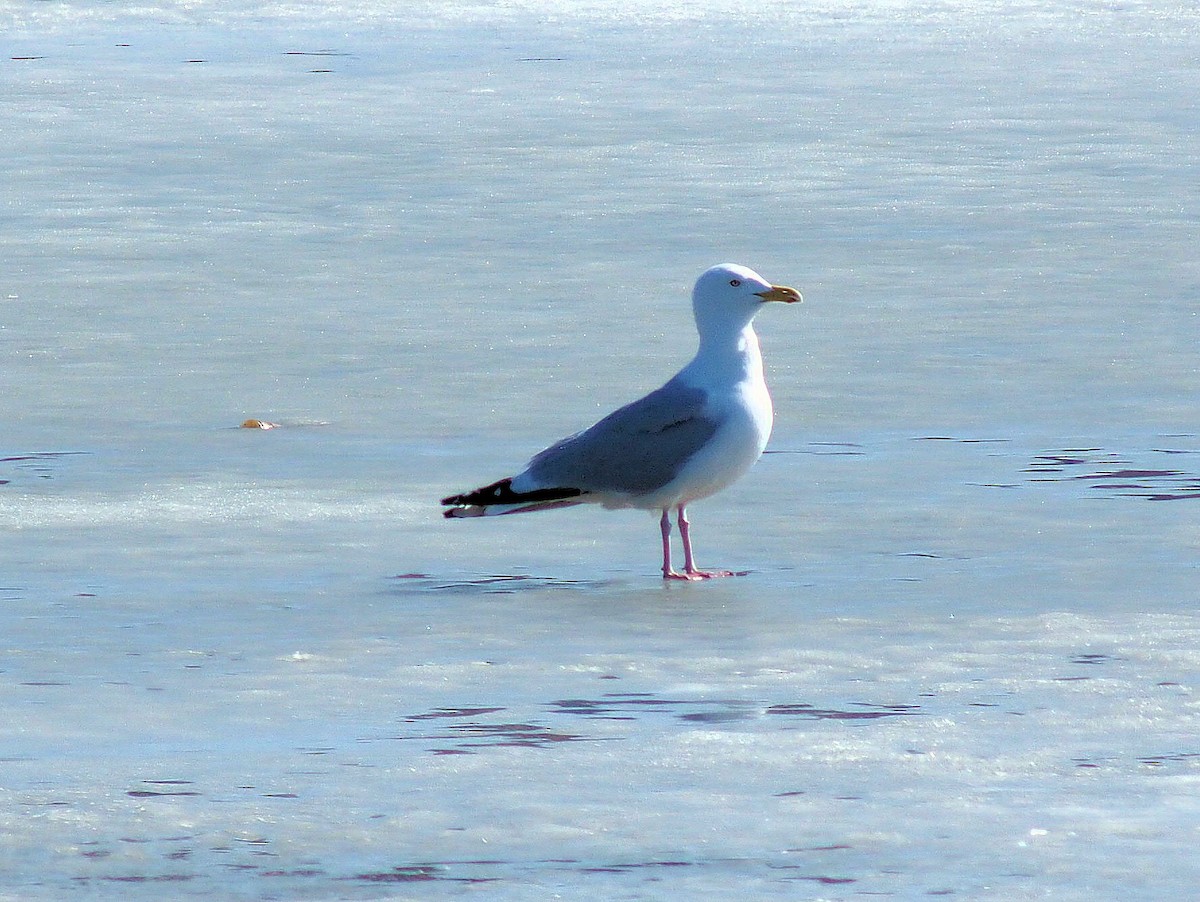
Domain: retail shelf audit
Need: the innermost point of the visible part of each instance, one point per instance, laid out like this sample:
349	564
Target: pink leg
665	525
668	571
690	571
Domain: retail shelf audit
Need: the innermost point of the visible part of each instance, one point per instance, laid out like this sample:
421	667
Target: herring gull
685	441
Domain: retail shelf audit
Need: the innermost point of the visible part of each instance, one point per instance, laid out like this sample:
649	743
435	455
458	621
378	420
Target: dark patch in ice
300	872
876	712
628	705
1131	474
153	793
1092	658
659	864
1176	758
625	867
465	873
472	734
437	713
1092	762
525	735
961	441
824	449
1117	475
510	583
465	730
150	793
418	873
38	464
1058	461
399	875
814	878
714	717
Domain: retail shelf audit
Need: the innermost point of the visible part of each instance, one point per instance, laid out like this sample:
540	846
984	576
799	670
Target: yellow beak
781	293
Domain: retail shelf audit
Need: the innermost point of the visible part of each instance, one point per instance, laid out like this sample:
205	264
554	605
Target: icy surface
426	239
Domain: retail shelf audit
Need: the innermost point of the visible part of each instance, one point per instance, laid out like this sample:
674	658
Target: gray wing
636	450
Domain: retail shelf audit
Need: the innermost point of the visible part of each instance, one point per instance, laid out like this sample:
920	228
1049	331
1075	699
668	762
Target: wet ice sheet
249	664
920	761
992	240
984	710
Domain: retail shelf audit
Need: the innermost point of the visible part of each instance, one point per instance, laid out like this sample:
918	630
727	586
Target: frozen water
427	239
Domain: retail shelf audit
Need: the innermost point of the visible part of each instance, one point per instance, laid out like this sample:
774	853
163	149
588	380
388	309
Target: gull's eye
735	282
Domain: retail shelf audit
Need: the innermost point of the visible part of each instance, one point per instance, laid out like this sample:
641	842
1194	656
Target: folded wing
633	451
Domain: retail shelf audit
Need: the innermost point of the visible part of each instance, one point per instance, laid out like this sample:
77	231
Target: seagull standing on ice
685	441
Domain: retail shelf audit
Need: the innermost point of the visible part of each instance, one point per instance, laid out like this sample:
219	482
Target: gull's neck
725	358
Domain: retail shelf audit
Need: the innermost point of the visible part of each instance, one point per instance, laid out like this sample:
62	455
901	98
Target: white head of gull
685	441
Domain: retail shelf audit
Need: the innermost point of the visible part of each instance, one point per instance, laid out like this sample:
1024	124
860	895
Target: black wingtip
497	493
501	492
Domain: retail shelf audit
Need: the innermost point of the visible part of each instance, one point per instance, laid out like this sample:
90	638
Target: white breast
746	417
